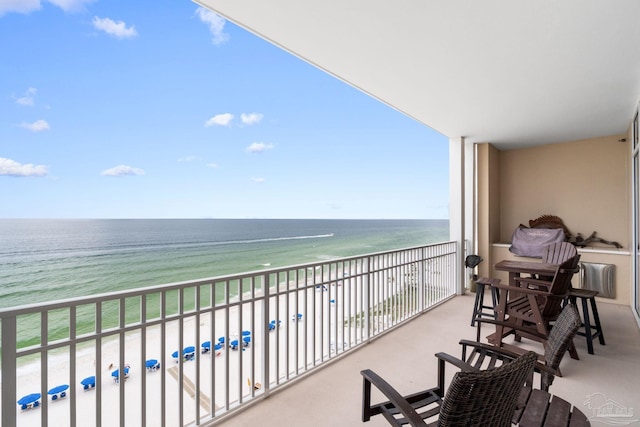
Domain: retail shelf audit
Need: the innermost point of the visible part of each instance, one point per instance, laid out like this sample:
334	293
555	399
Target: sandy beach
296	345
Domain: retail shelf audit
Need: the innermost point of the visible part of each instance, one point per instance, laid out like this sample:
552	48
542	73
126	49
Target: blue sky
121	109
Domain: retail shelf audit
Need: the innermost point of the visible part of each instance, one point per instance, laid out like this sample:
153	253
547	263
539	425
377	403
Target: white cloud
251	118
70	5
19	6
117	29
212	165
12	168
258	180
258	147
219	120
37	126
216	25
28	6
187	159
27	99
122	170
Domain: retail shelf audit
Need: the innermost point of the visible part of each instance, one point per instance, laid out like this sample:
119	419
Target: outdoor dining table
516	268
538	408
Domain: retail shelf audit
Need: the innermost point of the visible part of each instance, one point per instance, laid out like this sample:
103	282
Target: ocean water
47	260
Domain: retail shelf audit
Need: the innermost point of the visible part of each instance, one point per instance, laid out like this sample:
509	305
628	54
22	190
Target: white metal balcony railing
288	321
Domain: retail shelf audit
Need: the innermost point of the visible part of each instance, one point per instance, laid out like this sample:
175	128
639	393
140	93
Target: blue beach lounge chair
58	392
29	401
116	374
88	383
152	365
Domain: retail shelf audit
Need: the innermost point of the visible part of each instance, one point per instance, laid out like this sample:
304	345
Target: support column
457	203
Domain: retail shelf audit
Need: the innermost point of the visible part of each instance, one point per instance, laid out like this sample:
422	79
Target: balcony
196	352
405	357
300	371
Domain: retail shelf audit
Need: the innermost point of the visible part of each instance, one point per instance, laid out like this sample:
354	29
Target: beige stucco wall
586	183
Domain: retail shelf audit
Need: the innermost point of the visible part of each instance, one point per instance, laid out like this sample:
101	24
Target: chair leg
477	307
596	318
573	352
586	322
591	330
366	400
495	297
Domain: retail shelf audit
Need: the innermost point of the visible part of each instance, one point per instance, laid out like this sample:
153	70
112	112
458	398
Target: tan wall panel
586	183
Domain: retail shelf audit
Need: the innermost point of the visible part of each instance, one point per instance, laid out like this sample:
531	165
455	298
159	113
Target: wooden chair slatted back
560	287
557	253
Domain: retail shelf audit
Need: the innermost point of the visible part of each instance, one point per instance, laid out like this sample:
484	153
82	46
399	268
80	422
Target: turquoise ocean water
48	260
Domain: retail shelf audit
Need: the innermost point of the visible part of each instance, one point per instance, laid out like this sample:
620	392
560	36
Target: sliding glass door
636	218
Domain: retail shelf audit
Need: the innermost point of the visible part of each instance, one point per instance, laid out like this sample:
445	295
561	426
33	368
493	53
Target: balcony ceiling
513	73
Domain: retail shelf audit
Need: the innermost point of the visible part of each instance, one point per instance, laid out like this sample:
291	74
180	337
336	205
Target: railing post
9	338
366	293
420	279
265	332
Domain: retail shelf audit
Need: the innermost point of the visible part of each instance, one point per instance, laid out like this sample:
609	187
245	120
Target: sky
139	109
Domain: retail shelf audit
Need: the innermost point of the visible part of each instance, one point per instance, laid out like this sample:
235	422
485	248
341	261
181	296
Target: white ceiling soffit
514	73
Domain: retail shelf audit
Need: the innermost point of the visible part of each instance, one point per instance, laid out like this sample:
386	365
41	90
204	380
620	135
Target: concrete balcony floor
405	357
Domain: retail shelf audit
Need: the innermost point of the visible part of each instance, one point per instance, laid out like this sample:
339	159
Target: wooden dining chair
556	344
532	305
559	252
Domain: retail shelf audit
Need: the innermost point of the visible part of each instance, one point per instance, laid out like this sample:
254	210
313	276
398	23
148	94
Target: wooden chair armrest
538	367
460	364
502	286
401	404
521	290
526	281
487	347
511	325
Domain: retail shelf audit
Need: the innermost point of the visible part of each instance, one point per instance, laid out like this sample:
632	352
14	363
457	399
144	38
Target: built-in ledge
608	251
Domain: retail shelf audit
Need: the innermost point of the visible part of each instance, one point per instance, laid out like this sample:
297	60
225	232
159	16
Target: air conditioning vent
598	277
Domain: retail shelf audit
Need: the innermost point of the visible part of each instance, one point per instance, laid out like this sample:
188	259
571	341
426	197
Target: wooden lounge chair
527	309
474	397
559	340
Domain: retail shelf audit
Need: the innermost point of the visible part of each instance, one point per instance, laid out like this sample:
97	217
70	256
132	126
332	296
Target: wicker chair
474	397
559	340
